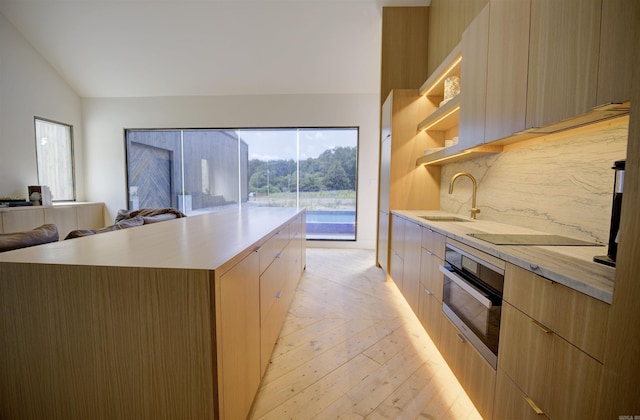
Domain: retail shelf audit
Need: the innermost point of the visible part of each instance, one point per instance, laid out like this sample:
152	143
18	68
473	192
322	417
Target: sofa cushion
38	236
123	224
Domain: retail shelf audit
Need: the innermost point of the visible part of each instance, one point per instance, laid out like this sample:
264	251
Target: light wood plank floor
351	348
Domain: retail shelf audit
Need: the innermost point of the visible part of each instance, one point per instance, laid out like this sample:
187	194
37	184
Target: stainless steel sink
445	219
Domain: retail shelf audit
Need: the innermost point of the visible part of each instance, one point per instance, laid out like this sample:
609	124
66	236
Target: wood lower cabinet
430	314
511	402
549	338
476	376
240	337
430	300
171	321
555	377
396	250
66	217
411	264
574	316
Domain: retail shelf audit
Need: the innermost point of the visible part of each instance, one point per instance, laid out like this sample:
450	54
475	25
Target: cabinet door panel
383	240
575	381
576	317
480	382
473	76
273	247
433	242
453	347
396	268
22	220
563	59
411	266
239	337
511	402
430	315
507	68
64	217
525	353
90	215
615	68
430	275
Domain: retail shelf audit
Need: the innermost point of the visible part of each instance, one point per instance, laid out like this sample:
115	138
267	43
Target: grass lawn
320	200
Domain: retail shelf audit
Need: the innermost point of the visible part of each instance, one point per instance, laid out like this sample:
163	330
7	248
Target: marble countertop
571	266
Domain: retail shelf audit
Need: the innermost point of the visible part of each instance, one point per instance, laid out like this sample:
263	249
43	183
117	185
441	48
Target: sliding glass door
204	170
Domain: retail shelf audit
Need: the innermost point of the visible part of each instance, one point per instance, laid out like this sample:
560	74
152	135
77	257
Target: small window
54	152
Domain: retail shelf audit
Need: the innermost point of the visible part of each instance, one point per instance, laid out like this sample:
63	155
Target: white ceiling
135	48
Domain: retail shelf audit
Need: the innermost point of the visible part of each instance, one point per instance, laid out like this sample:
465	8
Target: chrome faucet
474	209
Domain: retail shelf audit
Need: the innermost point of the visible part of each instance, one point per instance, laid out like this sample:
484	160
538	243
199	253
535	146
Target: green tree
336	177
310	183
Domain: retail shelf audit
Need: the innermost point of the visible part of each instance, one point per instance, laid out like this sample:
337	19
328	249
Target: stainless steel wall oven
472	299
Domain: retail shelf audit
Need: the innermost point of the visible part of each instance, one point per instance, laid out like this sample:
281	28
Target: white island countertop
202	242
572	266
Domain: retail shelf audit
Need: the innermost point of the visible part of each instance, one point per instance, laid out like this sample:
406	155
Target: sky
276	144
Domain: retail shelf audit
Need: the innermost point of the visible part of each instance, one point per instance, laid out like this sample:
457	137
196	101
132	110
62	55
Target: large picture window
54	152
204	170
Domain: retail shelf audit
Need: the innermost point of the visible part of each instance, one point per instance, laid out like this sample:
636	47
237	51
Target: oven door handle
466	287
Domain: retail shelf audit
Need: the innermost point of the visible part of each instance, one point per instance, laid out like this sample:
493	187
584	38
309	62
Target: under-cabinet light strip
433	162
444	117
444	74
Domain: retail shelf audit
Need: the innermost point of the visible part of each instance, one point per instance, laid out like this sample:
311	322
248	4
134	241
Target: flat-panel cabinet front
563	59
239	337
507	68
473	91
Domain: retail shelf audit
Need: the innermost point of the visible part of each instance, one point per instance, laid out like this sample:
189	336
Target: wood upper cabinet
563	59
473	80
507	68
617	46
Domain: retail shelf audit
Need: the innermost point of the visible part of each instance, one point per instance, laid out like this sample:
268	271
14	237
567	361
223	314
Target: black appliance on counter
614	230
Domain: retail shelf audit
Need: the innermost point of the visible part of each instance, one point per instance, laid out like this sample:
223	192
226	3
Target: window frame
71	155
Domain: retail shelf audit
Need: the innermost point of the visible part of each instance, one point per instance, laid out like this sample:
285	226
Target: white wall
30	87
106	119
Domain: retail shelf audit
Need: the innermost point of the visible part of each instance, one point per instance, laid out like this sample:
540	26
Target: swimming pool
331	224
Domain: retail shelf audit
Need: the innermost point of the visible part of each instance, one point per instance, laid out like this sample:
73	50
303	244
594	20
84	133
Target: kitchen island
174	320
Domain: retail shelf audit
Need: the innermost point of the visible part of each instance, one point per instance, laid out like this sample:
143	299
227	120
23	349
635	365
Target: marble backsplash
560	186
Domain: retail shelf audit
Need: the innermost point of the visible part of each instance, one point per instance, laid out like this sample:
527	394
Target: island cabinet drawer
433	242
295	227
273	247
574	316
272	283
275	297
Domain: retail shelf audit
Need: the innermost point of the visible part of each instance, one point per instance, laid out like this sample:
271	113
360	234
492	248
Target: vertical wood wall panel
404	48
447	20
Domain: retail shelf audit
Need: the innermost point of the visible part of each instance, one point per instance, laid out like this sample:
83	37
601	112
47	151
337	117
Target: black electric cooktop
523	239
